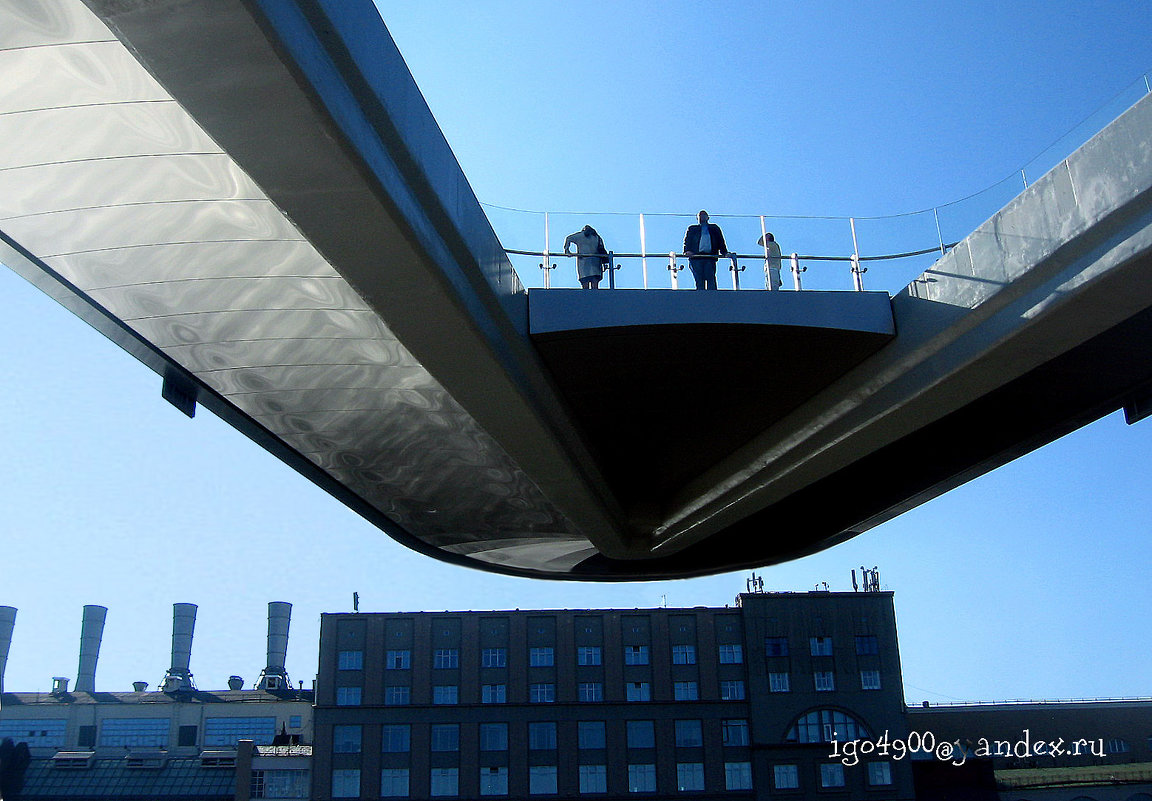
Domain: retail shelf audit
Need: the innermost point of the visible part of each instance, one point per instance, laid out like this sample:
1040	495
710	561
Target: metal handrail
757	256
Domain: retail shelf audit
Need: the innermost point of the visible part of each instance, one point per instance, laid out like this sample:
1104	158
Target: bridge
252	197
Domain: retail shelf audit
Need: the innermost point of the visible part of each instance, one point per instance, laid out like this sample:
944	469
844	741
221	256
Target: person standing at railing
771	261
703	244
590	256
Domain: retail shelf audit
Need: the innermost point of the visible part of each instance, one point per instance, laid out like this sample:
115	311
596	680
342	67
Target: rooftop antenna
855	588
355	602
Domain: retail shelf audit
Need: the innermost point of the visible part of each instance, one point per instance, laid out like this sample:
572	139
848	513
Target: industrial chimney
91	630
275	676
7	621
179	677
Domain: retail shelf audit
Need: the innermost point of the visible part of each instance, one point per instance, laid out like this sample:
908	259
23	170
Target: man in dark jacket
703	244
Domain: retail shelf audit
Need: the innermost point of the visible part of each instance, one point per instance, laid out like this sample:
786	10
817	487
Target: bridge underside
252	197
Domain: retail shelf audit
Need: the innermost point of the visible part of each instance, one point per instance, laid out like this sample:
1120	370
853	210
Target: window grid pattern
229	731
37	733
142	732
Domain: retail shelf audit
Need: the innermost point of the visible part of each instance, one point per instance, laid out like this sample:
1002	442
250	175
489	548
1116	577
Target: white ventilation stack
91	632
7	622
275	675
179	677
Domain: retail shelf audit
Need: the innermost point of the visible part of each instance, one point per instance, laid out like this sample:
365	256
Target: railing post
796	270
736	270
939	236
767	258
857	270
545	266
611	270
672	270
643	251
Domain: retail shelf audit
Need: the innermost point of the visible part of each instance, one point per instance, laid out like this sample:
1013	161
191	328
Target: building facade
737	702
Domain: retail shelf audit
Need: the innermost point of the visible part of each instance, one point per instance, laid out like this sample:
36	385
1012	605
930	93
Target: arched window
824	726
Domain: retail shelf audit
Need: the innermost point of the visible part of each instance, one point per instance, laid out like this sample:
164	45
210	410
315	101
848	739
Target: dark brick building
733	703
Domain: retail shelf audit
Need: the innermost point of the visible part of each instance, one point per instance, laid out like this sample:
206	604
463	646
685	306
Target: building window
398	660
820	646
494	657
295	721
446	737
593	779
590	691
493	736
879	774
345	696
685	691
641	734
494	694
1116	746
824	681
778	682
397	696
346	783
776	646
635	654
734	732
350	660
825	725
396	738
590	734
542	780
689	777
116	732
227	732
186	736
683	654
542	693
732	690
542	736
638	691
446	658
641	778
394	783
445	694
869	679
541	657
831	774
588	655
786	777
445	782
689	734
346	739
731	654
737	775
867	644
280	784
494	781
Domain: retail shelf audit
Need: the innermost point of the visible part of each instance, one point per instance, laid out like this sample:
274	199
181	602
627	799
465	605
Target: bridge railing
831	252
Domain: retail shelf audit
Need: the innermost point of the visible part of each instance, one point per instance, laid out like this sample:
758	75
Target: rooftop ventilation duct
275	676
179	677
7	621
91	632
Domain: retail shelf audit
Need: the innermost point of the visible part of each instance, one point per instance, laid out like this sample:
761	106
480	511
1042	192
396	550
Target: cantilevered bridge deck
253	198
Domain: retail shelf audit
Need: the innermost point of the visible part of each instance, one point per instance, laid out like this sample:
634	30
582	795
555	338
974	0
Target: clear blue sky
1027	583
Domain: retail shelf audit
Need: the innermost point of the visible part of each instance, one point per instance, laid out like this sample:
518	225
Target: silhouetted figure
590	257
703	244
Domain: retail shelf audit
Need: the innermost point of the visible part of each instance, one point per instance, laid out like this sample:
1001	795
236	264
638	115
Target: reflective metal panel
106	180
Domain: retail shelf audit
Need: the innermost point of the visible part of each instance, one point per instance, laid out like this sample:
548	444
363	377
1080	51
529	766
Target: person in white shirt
771	261
590	255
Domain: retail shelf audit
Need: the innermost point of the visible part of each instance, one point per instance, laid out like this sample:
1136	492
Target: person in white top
590	255
771	261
